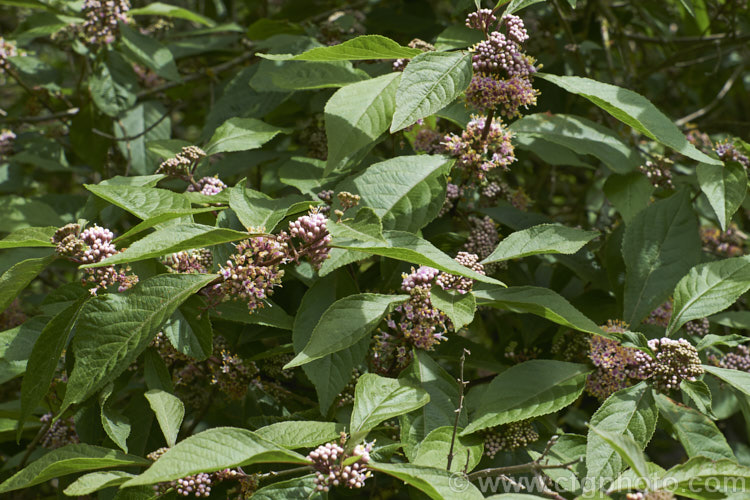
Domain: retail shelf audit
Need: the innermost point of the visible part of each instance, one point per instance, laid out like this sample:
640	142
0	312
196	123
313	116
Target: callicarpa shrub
393	250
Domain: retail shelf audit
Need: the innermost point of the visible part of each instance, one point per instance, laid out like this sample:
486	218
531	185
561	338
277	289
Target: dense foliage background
443	253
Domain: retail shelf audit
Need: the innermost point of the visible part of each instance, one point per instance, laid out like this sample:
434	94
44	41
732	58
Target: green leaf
189	329
516	5
430	82
629	412
697	433
44	358
283	76
160	219
329	374
433	450
459	308
113	85
698	394
300	434
737	379
257	210
702	477
149	52
581	136
16	345
567	449
241	134
660	245
345	322
406	192
19	212
688	4
143	202
169	412
539	301
528	390
541	239
710	340
270	315
212	450
299	488
440	411
356	115
366	226
438	484
115	424
170	240
113	330
143	123
629	193
377	399
709	288
725	187
164	10
409	247
15	279
361	48
69	460
95	481
29	237
632	109
626	447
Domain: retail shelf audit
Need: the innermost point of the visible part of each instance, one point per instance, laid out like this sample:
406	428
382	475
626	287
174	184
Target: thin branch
34	443
461	385
62	115
488	124
686	39
707	108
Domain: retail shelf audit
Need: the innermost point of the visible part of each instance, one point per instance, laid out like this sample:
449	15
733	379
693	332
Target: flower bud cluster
737	360
229	372
156	454
729	152
571	346
477	156
616	364
418	278
100	26
179	164
253	270
196	261
659	172
428	140
452	194
698	327
516	29
198	485
208	186
273	367
7	137
483	237
348	200
461	284
328	462
7	50
500	53
660	316
311	230
729	243
697	138
485	92
676	360
346	396
400	64
481	20
509	437
60	433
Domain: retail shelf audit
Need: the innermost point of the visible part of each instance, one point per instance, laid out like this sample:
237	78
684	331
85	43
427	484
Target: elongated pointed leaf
702	477
257	210
625	446
344	324
630	412
29	237
366	226
737	379
541	239
430	82
459	308
356	115
115	424
69	460
95	481
438	484
15	279
660	245
527	390
212	450
142	201
632	109
300	434
241	134
149	52
361	48
160	219
169	412
114	329
164	10
377	399
433	450
725	187
170	240
405	192
539	301
695	431
709	288
411	248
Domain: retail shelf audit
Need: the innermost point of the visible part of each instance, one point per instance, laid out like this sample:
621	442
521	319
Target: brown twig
62	115
487	124
461	385
708	107
140	134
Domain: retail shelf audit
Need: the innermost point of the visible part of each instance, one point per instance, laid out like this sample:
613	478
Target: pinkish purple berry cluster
483	237
461	284
179	164
60	433
481	20
208	186
509	437
328	461
102	18
312	232
675	361
190	261
729	152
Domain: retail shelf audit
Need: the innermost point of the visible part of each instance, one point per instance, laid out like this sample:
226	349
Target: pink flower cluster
100	26
476	155
179	164
208	186
328	461
190	261
311	230
729	152
485	92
